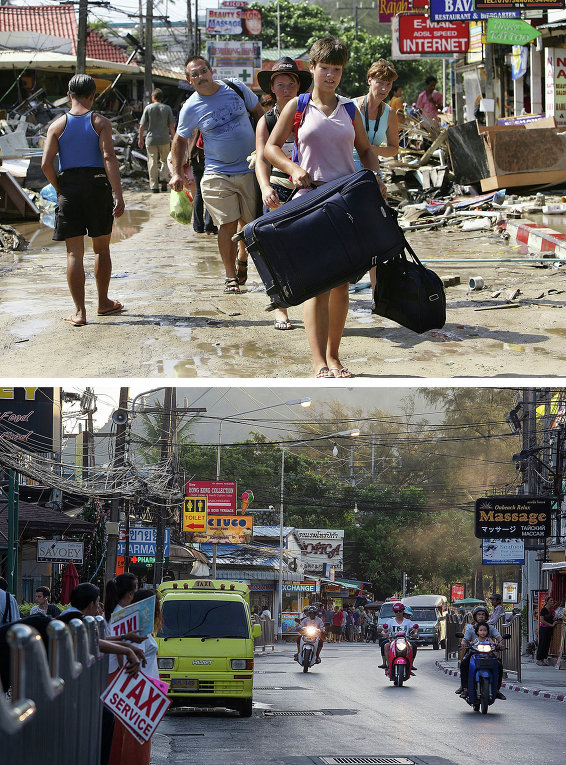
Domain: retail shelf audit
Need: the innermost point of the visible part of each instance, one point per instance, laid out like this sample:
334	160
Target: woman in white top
149	645
325	145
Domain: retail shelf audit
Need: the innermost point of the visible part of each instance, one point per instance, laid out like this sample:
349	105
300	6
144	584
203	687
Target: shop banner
512	517
510	592
228	54
388	9
143	540
465	10
220	495
288	623
503	552
457	592
555	84
226	529
232	21
418	34
320	546
138	702
510	32
524	5
29	417
59	551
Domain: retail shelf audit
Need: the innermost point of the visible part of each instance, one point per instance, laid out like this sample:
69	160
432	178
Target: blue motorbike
483	674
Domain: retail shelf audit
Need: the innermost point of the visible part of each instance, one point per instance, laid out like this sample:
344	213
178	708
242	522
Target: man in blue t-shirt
228	185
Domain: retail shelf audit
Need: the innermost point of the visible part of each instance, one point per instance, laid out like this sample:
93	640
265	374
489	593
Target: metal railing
454	623
267	638
55	713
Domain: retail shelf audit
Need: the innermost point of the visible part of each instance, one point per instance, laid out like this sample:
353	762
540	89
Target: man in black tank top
89	193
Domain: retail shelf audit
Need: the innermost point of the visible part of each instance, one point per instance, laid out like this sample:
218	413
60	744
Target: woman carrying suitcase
325	143
284	81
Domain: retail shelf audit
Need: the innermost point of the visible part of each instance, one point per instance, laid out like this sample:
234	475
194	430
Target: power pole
81	37
148	58
114	526
168	429
196	50
189	28
531	573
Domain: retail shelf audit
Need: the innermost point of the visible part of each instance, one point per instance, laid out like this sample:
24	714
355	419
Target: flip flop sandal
283	325
241	271
231	286
324	372
342	372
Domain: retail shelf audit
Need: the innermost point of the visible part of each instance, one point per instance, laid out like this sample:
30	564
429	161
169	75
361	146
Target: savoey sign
59	551
465	10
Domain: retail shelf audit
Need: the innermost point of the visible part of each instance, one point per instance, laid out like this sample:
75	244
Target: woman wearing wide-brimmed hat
284	81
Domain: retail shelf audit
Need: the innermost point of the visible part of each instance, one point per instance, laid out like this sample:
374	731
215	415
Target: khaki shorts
229	197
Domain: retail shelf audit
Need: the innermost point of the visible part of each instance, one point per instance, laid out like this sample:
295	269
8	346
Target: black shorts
84	204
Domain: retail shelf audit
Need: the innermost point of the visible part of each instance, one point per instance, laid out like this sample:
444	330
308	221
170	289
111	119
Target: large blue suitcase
316	241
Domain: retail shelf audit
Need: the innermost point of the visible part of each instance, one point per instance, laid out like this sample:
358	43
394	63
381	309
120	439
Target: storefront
296	595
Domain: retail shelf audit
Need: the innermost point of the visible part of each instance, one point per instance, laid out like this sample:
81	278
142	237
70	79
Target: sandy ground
179	323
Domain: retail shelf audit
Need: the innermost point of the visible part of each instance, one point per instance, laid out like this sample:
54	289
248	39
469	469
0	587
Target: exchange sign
512	517
418	34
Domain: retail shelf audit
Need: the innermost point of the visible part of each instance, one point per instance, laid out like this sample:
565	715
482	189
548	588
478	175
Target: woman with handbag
283	82
325	142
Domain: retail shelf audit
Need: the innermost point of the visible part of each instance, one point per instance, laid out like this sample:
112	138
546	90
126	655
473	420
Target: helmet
477	609
398	607
311	610
408	610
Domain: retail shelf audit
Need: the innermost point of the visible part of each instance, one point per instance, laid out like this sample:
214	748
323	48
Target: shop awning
557	566
20	59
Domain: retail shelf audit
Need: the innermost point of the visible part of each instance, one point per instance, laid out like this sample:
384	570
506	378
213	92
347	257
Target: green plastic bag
181	206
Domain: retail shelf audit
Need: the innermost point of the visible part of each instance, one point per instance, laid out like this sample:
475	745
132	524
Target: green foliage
25	608
300	23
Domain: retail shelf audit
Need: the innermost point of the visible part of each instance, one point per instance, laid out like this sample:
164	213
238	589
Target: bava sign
510	32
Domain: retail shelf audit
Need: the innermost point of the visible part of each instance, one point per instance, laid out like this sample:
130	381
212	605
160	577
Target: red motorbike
401	656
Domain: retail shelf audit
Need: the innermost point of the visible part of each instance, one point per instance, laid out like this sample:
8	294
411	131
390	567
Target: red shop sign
417	34
221	495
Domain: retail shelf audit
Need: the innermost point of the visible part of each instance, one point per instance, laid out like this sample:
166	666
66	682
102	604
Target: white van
428	611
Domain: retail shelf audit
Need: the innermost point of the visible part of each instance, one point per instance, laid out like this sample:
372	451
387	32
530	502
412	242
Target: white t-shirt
149	647
395	626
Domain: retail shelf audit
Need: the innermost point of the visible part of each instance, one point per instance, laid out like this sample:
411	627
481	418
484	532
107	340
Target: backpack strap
270	119
350	107
234	87
302	102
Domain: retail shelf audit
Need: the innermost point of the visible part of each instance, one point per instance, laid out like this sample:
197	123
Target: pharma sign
27	417
503	552
320	546
418	34
142	541
512	517
59	551
465	10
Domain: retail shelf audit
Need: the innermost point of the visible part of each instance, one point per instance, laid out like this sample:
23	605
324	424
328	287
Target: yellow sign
222	529
195	514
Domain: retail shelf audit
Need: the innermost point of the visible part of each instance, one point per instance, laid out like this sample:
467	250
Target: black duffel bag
409	293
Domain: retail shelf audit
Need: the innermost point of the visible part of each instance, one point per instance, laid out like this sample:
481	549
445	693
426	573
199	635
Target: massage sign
138	701
513	517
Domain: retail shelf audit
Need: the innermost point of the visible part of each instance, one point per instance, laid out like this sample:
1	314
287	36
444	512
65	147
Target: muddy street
178	322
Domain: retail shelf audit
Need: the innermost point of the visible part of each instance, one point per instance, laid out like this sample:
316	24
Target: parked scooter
371	632
483	674
308	646
401	657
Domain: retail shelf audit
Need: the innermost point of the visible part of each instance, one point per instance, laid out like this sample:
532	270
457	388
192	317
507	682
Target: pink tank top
325	144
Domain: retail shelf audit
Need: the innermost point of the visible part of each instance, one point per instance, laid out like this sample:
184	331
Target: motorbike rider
391	627
311	620
480	616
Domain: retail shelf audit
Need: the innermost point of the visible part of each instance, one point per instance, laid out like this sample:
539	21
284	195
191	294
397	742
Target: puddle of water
28	329
124	227
197	365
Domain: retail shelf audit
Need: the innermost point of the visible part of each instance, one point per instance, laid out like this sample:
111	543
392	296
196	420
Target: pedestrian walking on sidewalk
159	124
89	193
547	621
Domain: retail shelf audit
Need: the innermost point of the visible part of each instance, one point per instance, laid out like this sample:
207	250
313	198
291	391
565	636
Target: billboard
226	529
28	417
232	21
514	517
503	552
59	551
221	495
465	10
320	546
418	34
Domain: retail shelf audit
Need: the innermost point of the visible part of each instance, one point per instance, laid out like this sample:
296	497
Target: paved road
358	712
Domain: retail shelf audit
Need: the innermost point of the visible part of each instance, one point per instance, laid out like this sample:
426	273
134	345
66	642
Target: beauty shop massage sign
137	702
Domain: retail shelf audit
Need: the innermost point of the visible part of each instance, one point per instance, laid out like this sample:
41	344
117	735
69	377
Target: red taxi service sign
418	34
